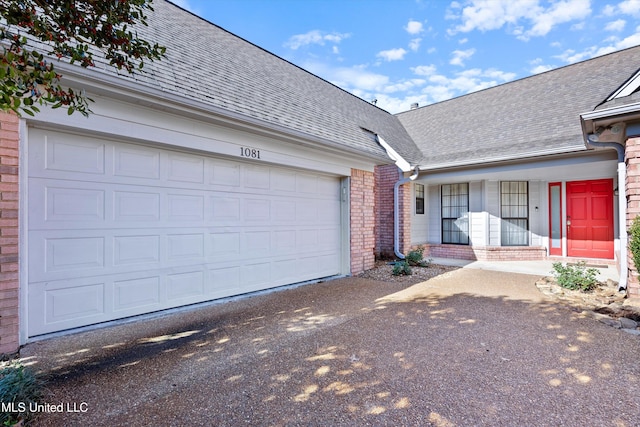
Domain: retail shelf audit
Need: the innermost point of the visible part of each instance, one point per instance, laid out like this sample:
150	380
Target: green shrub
576	277
20	386
401	268
634	241
415	258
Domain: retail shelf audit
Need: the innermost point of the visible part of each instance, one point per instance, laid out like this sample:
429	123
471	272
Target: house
225	170
506	173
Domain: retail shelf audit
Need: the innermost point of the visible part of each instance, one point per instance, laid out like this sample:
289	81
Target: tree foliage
33	33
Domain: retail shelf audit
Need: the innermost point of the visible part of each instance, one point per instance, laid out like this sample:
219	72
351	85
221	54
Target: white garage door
116	229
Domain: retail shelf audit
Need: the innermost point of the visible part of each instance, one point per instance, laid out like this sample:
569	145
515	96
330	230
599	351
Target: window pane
556	234
455	209
514	210
515	232
419	189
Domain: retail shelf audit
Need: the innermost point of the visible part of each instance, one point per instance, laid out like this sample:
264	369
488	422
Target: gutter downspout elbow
592	141
396	211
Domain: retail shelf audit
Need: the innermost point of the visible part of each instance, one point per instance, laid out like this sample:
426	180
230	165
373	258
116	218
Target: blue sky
400	52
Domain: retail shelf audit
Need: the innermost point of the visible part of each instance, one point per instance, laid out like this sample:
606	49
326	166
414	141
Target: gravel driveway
466	348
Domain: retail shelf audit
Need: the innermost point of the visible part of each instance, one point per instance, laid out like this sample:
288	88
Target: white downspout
592	141
404	166
396	212
622	213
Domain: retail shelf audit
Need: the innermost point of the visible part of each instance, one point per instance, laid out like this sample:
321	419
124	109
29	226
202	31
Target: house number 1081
251	153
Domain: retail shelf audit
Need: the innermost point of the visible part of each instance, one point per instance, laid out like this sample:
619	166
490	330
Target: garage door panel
283	181
137	249
74	154
133	162
135	294
283	211
74	253
257	177
185	168
183	247
223	281
139	229
224	173
185	286
184	207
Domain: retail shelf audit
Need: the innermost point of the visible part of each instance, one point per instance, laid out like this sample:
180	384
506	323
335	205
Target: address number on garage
250	153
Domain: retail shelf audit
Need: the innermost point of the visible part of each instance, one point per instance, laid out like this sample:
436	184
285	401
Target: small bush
21	387
401	268
415	258
576	277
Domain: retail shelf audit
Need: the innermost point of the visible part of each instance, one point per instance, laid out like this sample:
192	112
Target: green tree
33	33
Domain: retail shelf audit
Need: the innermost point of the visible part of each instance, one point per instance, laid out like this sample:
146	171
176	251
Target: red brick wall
362	210
385	178
632	159
9	143
406	208
486	253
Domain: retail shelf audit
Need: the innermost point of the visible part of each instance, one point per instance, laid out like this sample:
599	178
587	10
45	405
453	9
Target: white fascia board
393	155
498	159
149	96
611	112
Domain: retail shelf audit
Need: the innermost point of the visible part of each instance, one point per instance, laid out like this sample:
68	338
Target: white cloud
630	7
348	77
469	81
558	13
486	15
414	27
424	70
613	44
392	54
463	41
616	26
314	37
414	44
459	56
403	86
540	69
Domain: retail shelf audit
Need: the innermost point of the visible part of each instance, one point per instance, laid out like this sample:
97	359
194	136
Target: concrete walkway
541	268
470	347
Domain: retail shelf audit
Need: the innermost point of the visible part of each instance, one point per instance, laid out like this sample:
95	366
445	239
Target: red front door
590	219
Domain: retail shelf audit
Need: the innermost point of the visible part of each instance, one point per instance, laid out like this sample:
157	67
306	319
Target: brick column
632	187
9	144
362	210
385	178
406	206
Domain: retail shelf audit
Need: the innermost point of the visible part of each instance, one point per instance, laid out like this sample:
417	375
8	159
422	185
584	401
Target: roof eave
497	159
133	91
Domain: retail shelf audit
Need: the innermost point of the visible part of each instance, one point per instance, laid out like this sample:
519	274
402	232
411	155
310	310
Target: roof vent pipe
396	211
414	105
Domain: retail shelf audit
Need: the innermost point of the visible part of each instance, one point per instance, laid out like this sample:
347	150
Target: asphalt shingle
520	119
207	64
